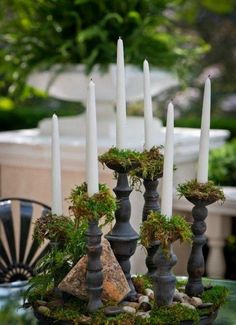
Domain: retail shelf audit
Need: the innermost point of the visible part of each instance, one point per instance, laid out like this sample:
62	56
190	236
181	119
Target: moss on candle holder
202	191
125	158
151	165
67	245
158	227
101	205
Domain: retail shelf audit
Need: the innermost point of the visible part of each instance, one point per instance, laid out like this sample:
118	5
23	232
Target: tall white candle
120	97
148	115
202	172
91	142
167	182
56	168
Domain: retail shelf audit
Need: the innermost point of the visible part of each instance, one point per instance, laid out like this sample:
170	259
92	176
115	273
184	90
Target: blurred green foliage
222	164
36	34
226	123
27	114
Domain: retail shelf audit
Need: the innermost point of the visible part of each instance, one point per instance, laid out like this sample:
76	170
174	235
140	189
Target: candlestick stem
150	204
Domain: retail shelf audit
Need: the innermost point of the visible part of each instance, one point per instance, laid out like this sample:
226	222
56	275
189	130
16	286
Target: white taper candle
120	97
148	115
167	181
202	172
91	142
56	168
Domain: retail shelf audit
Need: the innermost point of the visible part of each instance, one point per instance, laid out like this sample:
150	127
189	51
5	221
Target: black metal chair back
19	252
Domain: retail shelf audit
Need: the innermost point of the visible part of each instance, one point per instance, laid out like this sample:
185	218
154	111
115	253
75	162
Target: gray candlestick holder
196	263
123	238
151	204
163	279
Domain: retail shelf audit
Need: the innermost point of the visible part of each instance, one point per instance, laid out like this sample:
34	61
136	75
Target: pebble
145	306
45	311
195	301
186	304
41	302
129	310
85	319
149	293
131	304
205	305
143	299
113	310
143	314
180	296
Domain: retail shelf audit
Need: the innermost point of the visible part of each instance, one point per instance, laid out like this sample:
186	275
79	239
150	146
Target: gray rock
113	310
115	285
149	293
195	301
129	310
143	314
143	299
145	306
205	305
186	304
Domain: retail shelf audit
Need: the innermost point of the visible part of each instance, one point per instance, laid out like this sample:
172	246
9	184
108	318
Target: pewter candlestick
196	263
123	238
164	280
150	204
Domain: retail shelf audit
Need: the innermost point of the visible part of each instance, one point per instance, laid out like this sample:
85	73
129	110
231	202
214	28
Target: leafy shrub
222	164
39	34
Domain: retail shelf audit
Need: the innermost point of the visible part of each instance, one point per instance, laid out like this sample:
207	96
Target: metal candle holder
163	279
123	238
94	277
196	263
151	204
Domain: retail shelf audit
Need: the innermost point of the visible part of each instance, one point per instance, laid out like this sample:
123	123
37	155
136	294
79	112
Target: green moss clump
100	205
217	295
158	227
122	157
173	315
151	165
201	191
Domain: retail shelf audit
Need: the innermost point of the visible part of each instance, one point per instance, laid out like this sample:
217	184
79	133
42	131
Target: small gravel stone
45	311
186	304
143	299
149	293
131	304
143	314
180	297
205	305
85	319
41	302
195	301
129	310
145	306
113	310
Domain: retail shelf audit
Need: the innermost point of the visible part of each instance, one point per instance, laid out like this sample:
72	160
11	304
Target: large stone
115	285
